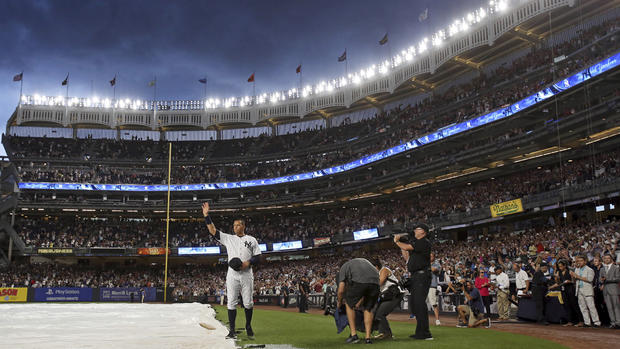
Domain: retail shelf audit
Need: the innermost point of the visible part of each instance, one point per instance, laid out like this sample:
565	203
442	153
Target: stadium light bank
408	55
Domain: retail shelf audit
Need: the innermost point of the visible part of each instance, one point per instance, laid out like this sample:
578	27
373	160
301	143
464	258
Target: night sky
182	41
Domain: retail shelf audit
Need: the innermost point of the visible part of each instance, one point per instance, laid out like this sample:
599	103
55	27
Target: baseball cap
421	226
235	263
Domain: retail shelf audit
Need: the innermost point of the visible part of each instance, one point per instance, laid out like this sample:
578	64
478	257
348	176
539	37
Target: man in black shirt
284	294
540	282
304	290
419	265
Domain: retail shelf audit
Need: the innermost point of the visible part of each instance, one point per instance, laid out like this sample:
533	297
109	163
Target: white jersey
244	248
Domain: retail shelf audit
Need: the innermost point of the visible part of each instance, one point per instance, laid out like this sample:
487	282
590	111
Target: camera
459	285
329	310
404	239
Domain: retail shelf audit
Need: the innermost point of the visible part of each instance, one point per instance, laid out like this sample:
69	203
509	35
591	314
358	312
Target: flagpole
67	86
21	86
346	64
390	58
301	73
167	222
206	81
114	102
155	100
67	101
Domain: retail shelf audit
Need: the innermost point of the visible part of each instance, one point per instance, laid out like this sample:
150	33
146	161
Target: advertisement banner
366	234
198	250
153	251
55	251
13	294
63	294
321	241
506	208
118	294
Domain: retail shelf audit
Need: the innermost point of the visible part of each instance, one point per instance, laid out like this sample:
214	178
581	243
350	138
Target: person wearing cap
540	283
419	265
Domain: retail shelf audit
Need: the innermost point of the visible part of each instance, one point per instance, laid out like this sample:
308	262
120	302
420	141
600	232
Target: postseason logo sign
152	251
321	241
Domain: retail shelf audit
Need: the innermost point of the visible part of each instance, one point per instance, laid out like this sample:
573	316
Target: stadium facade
383	107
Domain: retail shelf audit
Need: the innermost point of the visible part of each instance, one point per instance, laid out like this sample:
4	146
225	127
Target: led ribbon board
198	250
287	245
366	234
464	126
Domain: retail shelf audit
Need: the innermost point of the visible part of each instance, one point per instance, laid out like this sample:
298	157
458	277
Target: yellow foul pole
167	222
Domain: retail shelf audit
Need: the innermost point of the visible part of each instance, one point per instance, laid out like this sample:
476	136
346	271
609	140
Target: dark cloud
180	41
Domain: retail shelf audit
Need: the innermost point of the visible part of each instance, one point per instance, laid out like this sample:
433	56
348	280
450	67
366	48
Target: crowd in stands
553	243
115	232
507	84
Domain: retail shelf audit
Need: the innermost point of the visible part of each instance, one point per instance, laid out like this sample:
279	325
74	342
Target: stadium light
502	5
422	45
468	20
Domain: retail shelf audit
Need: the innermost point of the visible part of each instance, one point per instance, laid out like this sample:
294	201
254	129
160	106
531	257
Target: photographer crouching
390	297
472	312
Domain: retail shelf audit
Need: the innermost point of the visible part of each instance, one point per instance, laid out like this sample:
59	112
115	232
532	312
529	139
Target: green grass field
316	331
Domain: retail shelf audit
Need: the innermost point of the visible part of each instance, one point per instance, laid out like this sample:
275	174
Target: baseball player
243	252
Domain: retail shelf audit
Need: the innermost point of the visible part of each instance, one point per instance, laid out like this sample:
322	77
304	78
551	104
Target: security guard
540	282
419	265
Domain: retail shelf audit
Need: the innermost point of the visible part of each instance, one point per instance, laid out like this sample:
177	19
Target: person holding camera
390	297
419	265
472	312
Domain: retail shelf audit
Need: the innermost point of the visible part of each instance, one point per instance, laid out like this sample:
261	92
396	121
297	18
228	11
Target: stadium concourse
508	148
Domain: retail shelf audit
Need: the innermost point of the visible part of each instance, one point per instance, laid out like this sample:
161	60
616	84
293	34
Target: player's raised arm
210	225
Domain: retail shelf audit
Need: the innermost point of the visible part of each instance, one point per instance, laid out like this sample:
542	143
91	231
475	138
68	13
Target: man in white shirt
503	292
243	252
521	279
583	276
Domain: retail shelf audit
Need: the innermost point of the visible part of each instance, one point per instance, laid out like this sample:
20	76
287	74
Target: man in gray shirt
358	287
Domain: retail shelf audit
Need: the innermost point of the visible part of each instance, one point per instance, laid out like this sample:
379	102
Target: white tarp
113	325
